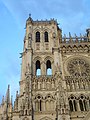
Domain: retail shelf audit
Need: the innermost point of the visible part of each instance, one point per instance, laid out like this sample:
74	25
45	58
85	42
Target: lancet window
38	103
48	67
72	103
37	36
46	36
83	103
38	68
78	104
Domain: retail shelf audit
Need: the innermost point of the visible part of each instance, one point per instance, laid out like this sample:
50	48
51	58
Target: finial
76	38
69	34
70	37
80	36
29	14
29	18
7	98
64	37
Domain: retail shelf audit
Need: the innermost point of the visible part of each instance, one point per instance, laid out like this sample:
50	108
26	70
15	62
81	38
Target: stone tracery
78	67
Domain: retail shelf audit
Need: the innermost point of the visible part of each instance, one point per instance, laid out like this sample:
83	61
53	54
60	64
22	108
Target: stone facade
55	76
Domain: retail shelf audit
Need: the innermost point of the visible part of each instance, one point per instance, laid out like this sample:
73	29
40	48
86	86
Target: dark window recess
38	68
71	105
46	36
48	68
37	36
81	105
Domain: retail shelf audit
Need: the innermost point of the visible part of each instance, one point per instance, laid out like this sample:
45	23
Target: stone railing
76	39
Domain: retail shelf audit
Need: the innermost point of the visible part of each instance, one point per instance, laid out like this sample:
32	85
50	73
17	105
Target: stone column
34	106
78	106
83	105
43	68
88	106
43	105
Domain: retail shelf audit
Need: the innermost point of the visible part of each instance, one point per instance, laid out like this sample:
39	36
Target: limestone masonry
55	76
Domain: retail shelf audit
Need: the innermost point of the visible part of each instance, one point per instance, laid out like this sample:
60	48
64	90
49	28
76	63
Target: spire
3	100
30	15
7	99
11	99
11	104
76	38
69	34
70	37
16	102
30	18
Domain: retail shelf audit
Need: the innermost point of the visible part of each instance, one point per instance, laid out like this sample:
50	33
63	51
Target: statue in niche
30	40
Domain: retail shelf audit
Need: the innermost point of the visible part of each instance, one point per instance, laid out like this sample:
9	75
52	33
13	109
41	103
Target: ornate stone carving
78	67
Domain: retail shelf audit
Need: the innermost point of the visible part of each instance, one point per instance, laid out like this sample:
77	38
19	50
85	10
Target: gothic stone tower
55	75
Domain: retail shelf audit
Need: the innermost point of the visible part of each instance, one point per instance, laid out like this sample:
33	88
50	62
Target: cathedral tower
55	75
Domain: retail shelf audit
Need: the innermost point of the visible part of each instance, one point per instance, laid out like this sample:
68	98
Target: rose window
78	67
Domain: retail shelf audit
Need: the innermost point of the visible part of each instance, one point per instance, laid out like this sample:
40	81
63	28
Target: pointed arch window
48	68
74	102
38	68
81	105
85	105
38	103
71	105
46	36
37	36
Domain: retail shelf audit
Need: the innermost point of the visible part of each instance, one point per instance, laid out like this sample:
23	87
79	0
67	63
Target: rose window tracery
78	67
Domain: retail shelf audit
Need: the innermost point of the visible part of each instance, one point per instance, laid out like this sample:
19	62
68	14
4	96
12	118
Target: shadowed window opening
46	36
75	105
81	105
40	105
38	68
37	36
71	105
48	68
